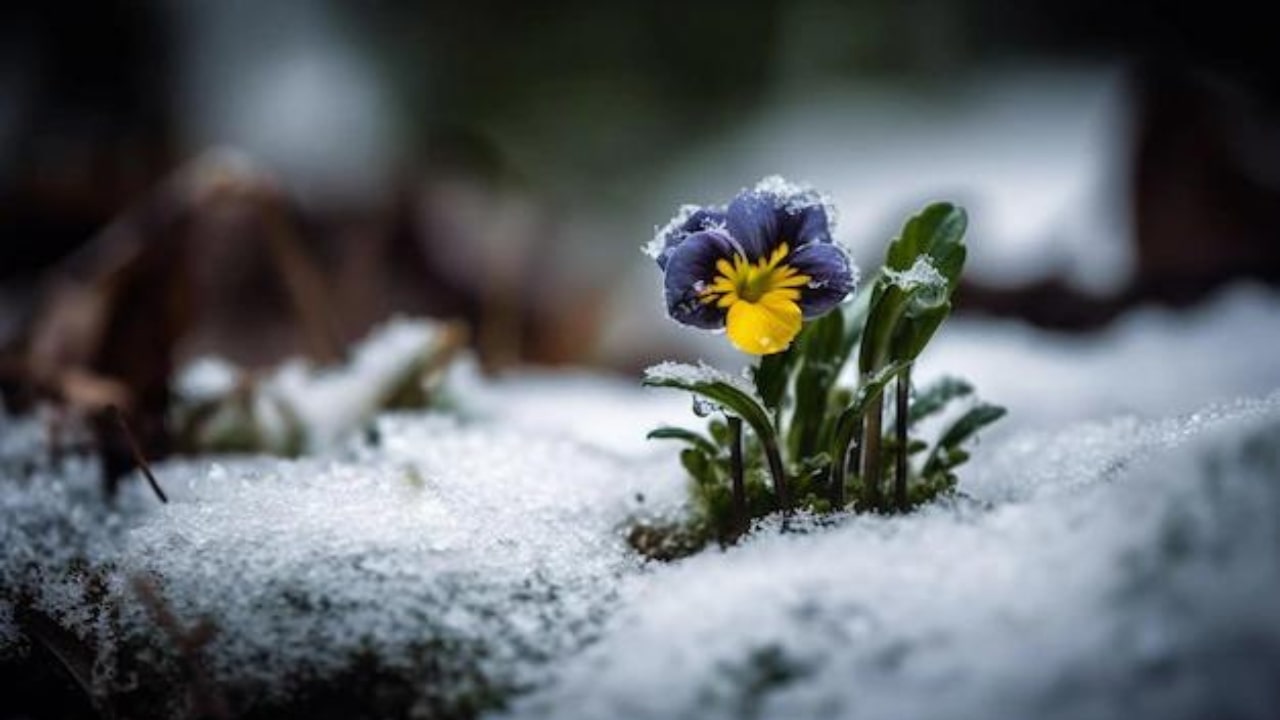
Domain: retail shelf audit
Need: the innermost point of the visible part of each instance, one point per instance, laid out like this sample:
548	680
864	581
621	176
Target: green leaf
719	430
936	395
870	389
961	430
928	232
820	361
717	387
698	466
916	330
689	436
904	316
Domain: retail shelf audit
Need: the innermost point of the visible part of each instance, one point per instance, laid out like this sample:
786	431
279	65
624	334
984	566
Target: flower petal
691	268
691	220
804	225
830	277
761	220
765	327
752	220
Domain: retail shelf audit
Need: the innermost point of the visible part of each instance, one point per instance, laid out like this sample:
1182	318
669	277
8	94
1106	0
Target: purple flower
758	268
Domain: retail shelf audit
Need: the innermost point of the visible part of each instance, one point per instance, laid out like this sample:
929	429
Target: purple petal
752	220
690	268
761	220
830	277
804	225
679	229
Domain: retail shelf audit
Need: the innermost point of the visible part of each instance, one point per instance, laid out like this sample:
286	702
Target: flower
758	268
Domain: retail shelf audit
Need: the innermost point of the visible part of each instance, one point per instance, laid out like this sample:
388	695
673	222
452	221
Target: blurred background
263	179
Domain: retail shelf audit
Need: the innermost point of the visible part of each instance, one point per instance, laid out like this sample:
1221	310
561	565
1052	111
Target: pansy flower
758	268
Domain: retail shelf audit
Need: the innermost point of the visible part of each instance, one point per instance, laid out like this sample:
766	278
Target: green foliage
912	295
835	438
948	453
934	398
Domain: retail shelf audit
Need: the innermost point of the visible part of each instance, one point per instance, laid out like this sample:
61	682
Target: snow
921	274
702	373
328	403
501	545
598	411
498	545
1151	362
1113	570
1116	553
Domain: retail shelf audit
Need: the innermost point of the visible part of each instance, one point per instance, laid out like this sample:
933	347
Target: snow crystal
921	274
1129	573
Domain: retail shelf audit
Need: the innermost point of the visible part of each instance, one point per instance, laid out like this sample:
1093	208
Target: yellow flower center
762	299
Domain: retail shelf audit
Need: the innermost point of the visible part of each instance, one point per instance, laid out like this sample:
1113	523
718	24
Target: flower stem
871	453
771	454
839	471
740	519
903	386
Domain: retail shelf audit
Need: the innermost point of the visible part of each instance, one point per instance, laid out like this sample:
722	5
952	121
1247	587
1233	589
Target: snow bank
1115	568
462	556
1112	570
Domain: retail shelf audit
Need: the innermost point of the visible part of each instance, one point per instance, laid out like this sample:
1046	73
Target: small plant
795	432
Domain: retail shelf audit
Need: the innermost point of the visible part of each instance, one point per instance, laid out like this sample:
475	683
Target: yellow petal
765	327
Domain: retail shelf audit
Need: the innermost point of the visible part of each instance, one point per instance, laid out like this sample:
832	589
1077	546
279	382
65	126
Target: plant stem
903	386
138	458
839	471
871	453
771	454
739	484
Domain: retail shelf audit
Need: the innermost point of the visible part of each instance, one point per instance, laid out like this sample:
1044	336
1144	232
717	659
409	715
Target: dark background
499	161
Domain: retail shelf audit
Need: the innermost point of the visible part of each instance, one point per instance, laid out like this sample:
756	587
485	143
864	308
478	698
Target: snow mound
53	528
462	557
1113	570
500	549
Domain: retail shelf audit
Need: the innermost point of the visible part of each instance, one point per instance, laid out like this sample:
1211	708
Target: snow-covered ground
1117	553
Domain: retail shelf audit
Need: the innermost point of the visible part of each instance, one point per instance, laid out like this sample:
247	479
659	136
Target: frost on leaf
921	275
702	373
